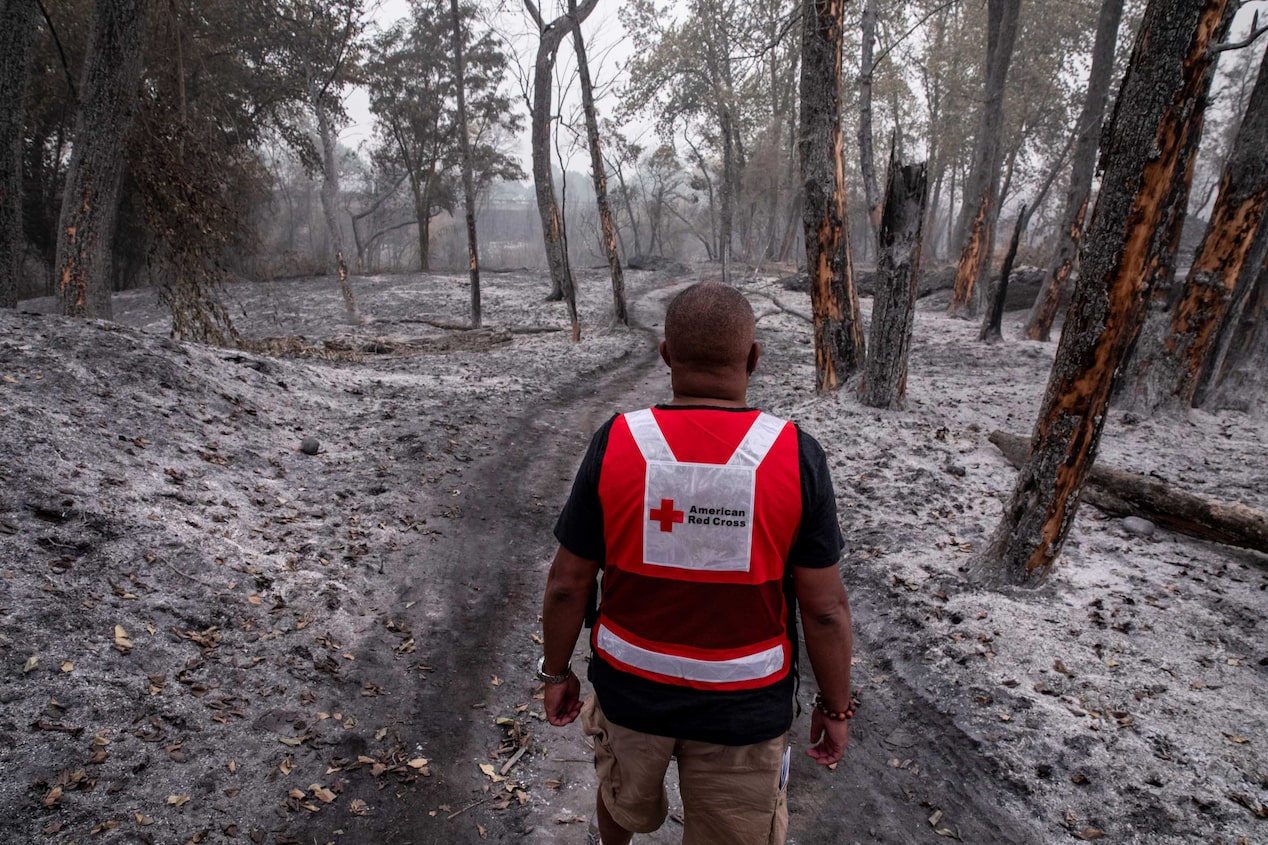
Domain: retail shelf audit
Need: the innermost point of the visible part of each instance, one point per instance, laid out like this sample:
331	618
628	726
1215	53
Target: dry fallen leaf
297	794
54	795
490	773
32	663
421	763
121	640
322	794
144	820
1088	833
358	807
177	800
67	666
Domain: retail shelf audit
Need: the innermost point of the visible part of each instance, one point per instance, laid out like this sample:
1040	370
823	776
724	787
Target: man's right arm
829	636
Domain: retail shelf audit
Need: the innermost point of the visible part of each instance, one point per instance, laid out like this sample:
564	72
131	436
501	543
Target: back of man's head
709	326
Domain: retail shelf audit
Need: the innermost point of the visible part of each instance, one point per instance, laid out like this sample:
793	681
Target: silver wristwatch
546	677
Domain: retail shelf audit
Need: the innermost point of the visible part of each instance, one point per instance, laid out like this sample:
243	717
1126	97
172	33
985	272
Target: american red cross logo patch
666	515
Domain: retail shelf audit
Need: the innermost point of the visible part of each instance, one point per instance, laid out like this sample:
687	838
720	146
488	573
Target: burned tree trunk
867	160
619	312
550	36
330	197
884	382
839	346
15	62
1242	381
981	194
1087	137
468	183
108	101
991	326
1231	326
1168	372
1144	168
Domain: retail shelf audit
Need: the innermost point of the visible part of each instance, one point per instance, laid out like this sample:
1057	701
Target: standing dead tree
867	162
468	183
1167	369
992	326
981	190
1241	382
15	62
550	36
839	345
108	102
1229	343
1087	134
619	313
1146	166
884	382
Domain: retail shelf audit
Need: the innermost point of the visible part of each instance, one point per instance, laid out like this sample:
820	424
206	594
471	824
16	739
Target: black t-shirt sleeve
819	541
579	528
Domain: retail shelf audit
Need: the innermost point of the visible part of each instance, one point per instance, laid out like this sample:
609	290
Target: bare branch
1255	31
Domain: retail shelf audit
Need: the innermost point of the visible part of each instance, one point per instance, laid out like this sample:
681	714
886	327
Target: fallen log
1131	494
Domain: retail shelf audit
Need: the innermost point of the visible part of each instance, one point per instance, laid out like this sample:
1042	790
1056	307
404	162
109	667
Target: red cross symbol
666	515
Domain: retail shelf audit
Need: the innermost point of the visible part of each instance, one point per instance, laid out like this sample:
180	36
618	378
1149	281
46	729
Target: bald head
710	345
709	326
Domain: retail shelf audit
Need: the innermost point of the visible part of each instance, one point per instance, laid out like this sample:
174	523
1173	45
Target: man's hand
828	738
563	701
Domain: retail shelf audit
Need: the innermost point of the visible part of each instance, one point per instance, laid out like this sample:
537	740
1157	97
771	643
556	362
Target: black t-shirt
739	717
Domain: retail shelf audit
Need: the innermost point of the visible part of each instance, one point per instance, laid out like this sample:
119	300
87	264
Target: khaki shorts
731	795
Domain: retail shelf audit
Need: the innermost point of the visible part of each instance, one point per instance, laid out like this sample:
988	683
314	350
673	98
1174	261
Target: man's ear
754	352
664	354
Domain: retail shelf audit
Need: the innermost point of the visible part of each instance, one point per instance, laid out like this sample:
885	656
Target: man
711	522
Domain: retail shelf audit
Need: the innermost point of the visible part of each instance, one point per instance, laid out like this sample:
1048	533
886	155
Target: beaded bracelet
835	715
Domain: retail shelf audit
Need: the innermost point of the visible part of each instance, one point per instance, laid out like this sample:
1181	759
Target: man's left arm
568	588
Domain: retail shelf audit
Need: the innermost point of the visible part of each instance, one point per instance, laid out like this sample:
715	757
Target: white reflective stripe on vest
757	442
752	667
648	436
750	453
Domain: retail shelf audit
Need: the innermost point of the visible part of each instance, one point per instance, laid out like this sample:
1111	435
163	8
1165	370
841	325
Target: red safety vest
700	509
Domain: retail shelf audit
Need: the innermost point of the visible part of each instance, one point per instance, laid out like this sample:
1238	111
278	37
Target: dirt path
906	762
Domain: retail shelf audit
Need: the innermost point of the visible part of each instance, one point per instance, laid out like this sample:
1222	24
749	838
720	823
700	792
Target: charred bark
884	382
15	63
1144	165
1168	372
839	345
599	173
992	325
90	200
979	211
1231	327
468	183
1242	381
1130	494
867	159
15	59
1087	134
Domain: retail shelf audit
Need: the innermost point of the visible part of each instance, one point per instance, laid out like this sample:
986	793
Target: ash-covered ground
208	634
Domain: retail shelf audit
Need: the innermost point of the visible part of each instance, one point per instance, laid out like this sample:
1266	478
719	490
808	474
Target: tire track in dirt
485	573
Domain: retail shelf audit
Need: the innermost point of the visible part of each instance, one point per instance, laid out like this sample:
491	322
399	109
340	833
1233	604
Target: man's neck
707	401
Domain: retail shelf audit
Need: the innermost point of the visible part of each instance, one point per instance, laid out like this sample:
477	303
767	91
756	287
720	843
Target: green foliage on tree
409	76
